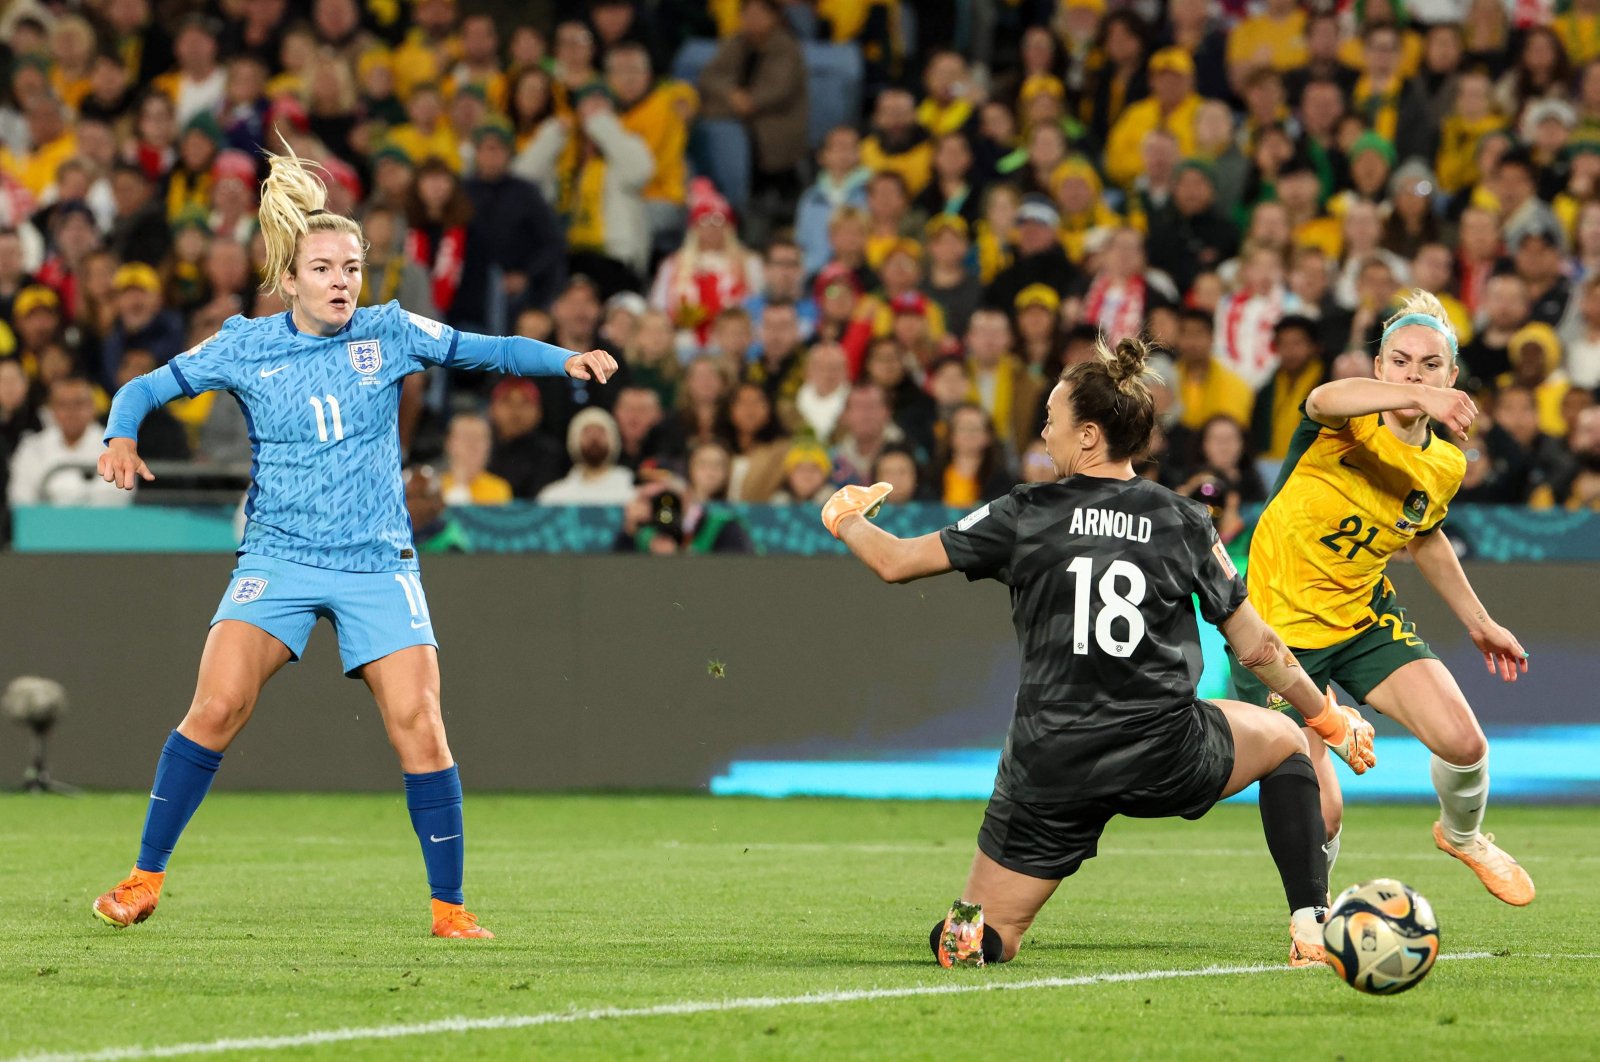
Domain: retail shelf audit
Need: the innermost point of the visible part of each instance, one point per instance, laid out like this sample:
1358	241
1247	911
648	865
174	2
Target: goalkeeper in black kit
1102	565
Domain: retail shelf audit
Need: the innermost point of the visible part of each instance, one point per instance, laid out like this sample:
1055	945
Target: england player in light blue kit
327	532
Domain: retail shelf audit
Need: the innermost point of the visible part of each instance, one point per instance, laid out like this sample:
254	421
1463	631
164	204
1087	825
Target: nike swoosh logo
419	624
440	840
162	799
272	372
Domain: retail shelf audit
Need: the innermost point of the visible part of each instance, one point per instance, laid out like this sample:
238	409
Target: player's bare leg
1006	902
236	663
1269	748
406	686
1423	697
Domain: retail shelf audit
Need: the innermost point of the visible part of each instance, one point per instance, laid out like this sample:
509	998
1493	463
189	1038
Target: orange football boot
454	920
132	901
1494	866
961	943
1306	947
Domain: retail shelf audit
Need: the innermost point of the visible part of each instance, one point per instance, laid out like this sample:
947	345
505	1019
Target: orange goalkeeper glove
846	500
1346	733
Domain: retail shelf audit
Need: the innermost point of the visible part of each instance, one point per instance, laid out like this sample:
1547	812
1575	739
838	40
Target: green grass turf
294	914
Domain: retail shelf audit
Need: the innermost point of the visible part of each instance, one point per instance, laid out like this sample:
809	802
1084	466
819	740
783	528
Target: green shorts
1358	664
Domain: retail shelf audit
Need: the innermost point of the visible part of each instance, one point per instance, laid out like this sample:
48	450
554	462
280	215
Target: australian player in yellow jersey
1364	479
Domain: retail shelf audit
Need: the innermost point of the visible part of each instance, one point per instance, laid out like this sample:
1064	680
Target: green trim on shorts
1359	664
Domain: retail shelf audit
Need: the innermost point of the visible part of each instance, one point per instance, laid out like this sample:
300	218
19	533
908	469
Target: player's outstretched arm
895	560
1259	648
1437	561
521	356
1335	402
120	463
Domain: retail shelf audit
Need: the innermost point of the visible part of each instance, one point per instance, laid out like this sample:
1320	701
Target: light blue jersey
323	416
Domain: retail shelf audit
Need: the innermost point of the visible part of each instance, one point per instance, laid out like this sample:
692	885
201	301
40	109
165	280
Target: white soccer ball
1381	936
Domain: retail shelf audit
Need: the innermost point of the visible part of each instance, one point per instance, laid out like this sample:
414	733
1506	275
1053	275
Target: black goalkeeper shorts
1053	840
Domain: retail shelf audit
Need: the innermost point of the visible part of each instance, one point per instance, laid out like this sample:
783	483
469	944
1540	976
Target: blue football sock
434	800
183	775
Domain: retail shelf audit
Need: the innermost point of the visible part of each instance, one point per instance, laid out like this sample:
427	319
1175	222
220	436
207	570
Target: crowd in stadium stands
829	242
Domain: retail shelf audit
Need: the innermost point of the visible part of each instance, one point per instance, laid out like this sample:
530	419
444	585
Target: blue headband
1427	321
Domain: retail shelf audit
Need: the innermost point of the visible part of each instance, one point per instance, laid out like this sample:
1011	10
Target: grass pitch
682	927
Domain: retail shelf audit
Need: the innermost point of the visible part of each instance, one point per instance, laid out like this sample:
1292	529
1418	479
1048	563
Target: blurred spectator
653	356
432	526
1537	253
972	468
1172	105
56	466
1193	27
658	113
950	284
1531	457
950	191
896	466
756	444
841	180
783	280
1194	236
1001	386
731	339
665	519
466	479
889	367
161	437
1535	353
1124	291
1351	365
1040	258
1036	466
437	236
514	241
897	143
890	220
523	457
779	368
1040	343
866	429
696	408
390	273
1578	485
141	322
1580	334
139	232
576	317
594	445
820	400
1277	405
1246	317
709	273
18	416
1220	448
638	414
531	103
806	472
1206	387
196	84
1412	220
1505	309
757	77
593	170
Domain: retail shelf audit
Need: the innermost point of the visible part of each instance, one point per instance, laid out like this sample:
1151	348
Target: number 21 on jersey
1114	605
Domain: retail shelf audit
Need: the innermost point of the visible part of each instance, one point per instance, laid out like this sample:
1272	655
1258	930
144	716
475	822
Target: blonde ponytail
292	205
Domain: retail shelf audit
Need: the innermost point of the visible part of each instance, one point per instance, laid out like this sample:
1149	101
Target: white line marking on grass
660	1010
1185	853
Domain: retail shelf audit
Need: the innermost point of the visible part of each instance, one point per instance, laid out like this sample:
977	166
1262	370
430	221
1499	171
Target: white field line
661	1010
926	848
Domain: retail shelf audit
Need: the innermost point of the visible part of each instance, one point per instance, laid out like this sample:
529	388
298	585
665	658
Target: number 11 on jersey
1113	606
322	423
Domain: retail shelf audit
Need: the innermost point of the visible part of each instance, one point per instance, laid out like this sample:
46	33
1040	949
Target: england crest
248	589
365	357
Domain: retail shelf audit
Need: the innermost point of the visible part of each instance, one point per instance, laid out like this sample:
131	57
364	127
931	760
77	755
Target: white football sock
1463	794
1331	850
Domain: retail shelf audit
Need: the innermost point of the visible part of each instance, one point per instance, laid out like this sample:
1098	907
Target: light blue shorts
373	613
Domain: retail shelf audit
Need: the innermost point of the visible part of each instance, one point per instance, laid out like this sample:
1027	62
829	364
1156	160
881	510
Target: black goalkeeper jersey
1101	574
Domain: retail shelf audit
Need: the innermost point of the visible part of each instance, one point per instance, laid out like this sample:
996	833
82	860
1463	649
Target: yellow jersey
1346	500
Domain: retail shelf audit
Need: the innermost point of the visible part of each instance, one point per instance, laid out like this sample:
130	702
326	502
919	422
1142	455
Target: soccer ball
1381	936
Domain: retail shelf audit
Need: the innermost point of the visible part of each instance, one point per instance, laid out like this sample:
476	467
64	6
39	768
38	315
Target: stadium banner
768	675
1481	532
